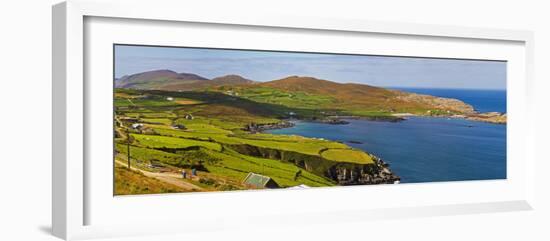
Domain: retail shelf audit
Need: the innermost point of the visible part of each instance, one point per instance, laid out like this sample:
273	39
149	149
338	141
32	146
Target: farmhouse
137	126
232	93
189	117
169	98
254	180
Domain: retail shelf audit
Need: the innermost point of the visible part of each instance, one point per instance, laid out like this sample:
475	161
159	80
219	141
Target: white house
189	117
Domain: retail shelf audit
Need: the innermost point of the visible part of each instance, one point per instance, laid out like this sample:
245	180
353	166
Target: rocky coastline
258	128
387	118
489	117
330	121
343	173
379	173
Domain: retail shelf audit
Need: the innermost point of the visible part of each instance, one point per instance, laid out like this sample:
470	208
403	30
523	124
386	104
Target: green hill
155	79
344	98
173	81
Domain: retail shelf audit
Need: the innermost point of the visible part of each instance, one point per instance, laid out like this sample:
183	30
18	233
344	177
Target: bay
428	149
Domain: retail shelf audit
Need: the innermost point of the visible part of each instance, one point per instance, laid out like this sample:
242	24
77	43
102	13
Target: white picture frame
72	193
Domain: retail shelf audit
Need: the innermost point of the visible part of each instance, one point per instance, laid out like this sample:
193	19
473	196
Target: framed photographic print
218	117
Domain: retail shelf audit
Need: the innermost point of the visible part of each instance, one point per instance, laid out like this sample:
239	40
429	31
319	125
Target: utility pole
128	144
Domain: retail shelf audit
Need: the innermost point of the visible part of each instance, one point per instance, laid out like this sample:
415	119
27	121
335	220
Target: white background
296	206
25	51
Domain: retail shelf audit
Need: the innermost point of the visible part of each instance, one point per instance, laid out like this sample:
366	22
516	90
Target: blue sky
265	66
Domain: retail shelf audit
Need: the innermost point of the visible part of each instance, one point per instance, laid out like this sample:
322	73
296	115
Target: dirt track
172	178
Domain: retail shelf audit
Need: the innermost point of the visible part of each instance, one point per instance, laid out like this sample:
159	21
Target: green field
347	155
154	141
205	131
300	100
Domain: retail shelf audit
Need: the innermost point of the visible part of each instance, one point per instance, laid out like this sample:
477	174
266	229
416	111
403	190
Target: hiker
183	174
193	172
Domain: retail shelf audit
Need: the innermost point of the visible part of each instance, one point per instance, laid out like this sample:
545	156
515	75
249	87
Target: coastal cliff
379	173
343	173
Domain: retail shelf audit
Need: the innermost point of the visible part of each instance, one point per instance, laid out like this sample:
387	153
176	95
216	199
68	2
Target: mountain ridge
356	96
156	77
356	99
165	79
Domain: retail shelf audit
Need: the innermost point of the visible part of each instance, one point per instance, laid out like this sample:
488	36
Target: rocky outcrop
490	117
388	118
385	118
379	173
256	128
439	103
331	121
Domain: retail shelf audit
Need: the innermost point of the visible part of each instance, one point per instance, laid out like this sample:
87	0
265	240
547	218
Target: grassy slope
133	182
347	97
346	155
217	122
155	141
310	97
307	105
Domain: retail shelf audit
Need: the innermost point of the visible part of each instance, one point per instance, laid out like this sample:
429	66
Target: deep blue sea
425	149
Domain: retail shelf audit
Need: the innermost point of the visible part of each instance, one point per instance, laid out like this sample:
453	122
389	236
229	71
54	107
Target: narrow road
130	101
172	178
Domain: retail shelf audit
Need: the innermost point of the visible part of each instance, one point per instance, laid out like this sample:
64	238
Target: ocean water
427	149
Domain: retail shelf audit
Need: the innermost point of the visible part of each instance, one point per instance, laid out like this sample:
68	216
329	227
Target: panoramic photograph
192	119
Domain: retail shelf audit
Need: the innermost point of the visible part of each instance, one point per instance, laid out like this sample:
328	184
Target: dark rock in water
255	128
384	118
331	121
355	142
379	173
